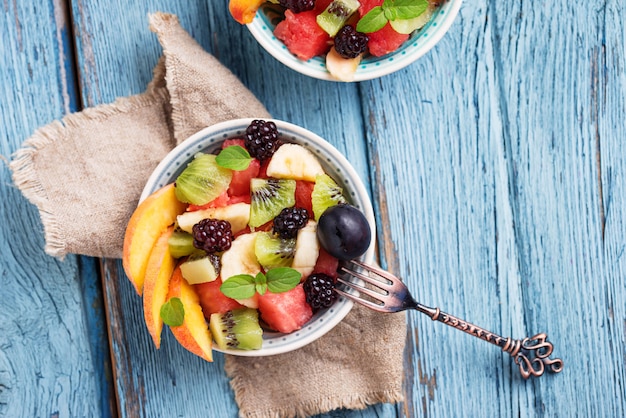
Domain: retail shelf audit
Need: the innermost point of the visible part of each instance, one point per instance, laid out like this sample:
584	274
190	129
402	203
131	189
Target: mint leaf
374	20
261	288
244	286
391	10
241	286
261	283
173	312
390	13
409	9
282	279
234	157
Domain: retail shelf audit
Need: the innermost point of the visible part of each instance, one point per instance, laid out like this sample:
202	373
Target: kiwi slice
336	14
181	244
200	268
202	180
237	329
326	193
268	197
272	251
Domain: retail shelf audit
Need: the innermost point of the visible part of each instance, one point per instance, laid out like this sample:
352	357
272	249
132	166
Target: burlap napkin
85	174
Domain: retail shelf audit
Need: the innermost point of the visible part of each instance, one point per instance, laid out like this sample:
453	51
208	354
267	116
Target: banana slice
240	258
307	249
237	214
293	161
342	69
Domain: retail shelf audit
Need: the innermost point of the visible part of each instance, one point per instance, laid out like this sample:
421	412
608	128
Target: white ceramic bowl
420	42
209	140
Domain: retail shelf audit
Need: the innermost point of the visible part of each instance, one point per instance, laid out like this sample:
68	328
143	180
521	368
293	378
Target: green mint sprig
244	286
390	10
173	312
234	157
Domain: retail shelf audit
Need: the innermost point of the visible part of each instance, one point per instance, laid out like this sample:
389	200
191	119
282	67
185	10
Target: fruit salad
344	31
245	241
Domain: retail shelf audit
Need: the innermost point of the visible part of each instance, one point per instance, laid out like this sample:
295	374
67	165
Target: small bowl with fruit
346	40
238	235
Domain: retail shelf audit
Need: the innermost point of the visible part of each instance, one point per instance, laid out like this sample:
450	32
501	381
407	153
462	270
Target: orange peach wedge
194	332
156	285
147	223
243	11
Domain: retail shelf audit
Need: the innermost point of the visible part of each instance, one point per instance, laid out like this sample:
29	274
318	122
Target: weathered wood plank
53	351
512	153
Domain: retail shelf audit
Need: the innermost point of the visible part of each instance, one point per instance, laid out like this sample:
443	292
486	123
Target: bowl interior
209	140
420	42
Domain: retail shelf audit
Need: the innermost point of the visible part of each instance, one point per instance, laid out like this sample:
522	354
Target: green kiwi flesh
202	180
237	329
181	244
336	14
268	197
326	193
272	251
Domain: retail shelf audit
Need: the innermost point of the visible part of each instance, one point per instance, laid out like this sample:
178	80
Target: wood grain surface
496	164
54	355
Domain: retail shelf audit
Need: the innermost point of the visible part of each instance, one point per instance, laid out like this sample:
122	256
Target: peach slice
243	11
194	333
157	279
147	223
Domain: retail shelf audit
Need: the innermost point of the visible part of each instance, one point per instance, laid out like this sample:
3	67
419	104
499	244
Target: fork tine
367	303
367	278
376	270
362	289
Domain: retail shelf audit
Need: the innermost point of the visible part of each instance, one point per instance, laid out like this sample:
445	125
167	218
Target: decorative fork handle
530	354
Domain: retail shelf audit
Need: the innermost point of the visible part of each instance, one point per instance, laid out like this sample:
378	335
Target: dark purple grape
343	231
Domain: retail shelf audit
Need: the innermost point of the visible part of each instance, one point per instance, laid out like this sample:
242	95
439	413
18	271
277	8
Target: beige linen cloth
85	174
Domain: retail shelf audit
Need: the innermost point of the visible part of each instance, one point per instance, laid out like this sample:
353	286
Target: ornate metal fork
389	294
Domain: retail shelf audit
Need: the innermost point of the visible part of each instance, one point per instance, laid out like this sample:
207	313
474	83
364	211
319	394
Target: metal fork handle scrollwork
531	354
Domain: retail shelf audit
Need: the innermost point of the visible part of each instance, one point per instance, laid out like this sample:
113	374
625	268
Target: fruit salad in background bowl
346	40
237	237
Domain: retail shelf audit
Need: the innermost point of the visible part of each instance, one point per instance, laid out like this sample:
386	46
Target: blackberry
212	235
349	43
298	6
261	139
289	221
318	289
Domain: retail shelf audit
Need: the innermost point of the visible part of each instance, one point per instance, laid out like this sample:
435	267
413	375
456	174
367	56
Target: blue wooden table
497	167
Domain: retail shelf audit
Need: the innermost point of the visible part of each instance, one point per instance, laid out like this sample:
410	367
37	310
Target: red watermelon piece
236	141
326	264
263	169
220	201
239	199
303	195
385	41
239	188
302	35
240	183
321	5
367	5
213	300
285	312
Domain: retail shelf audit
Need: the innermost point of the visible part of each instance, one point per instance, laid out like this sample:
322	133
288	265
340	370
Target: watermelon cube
213	300
285	312
302	35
